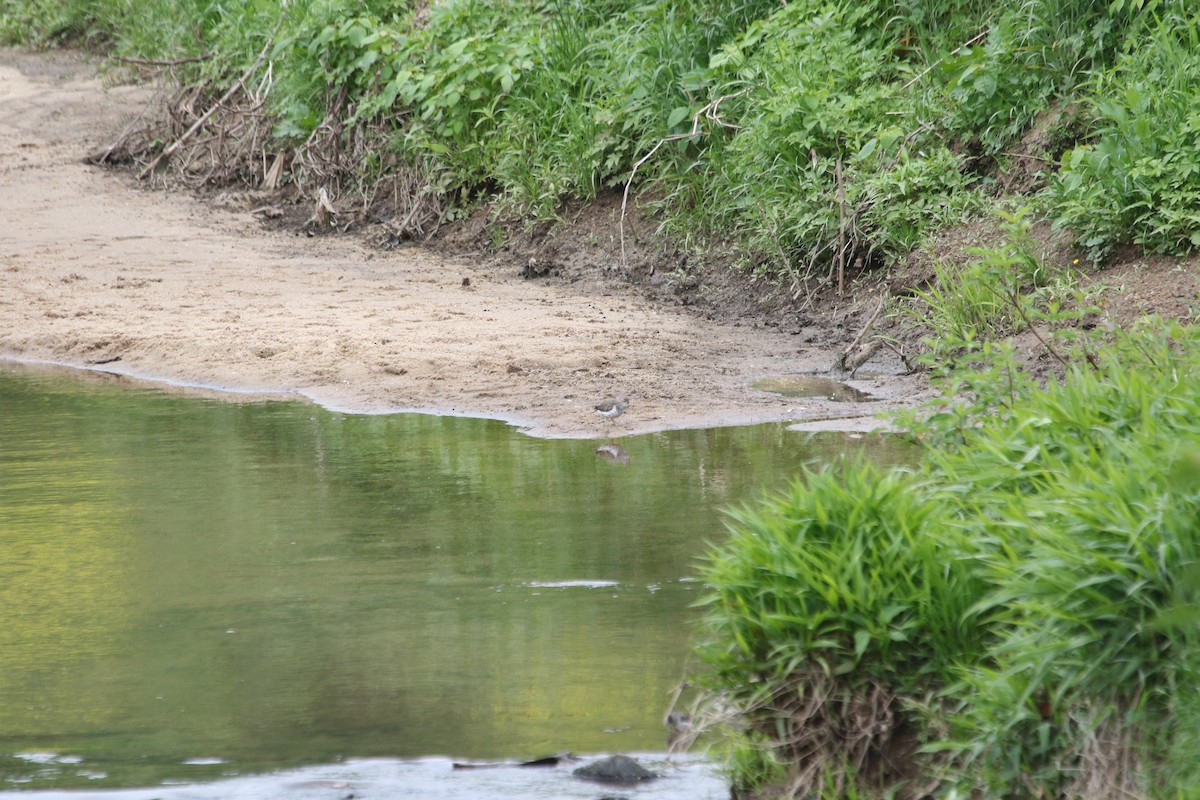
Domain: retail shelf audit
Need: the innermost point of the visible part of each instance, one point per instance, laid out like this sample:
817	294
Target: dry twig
199	123
899	351
841	254
850	359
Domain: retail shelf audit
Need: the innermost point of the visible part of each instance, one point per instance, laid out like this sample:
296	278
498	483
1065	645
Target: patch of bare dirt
711	280
98	272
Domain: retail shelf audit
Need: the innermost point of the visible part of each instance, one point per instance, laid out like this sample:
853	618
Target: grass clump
1004	289
155	29
1053	534
836	613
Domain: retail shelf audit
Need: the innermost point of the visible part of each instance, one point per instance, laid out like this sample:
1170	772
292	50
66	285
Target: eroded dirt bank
163	286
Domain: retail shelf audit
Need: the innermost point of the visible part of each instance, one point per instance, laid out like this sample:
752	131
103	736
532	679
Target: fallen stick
863	355
844	362
904	359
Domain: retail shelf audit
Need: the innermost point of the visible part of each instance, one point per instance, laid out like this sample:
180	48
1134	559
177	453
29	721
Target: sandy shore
167	287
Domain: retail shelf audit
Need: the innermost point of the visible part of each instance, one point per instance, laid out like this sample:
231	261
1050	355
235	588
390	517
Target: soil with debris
534	326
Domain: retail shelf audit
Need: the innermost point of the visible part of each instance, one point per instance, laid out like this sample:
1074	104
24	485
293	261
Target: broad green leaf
862	638
677	115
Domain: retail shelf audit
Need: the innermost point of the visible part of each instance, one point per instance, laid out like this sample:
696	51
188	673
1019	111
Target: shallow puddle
195	590
808	386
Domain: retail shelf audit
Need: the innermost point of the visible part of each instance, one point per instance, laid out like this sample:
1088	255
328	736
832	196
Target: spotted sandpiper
680	726
611	409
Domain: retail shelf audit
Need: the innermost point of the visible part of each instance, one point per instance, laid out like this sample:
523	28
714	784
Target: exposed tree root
827	738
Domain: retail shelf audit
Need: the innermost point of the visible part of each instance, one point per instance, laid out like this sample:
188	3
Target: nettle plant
821	158
440	83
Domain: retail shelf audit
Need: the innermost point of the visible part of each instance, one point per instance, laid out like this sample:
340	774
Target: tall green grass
1041	565
836	614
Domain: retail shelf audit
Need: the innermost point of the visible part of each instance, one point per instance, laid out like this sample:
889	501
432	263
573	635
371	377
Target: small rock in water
615	769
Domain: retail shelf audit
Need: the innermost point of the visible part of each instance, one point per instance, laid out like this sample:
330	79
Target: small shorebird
611	409
680	726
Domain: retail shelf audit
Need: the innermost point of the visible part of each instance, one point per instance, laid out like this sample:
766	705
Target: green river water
195	588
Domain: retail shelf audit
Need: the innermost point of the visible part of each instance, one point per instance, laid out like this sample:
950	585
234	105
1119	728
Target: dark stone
549	761
615	769
545	761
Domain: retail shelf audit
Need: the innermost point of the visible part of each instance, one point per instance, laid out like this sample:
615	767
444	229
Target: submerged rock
615	769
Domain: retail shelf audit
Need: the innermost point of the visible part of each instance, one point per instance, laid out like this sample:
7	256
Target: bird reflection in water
613	452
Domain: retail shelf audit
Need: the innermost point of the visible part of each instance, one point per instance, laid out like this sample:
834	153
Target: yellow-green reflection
272	584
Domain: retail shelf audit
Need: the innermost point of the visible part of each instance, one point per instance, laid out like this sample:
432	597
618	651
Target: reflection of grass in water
63	554
801	386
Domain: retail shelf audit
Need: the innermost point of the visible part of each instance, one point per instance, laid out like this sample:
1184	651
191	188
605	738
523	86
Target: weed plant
999	292
154	29
1095	534
836	611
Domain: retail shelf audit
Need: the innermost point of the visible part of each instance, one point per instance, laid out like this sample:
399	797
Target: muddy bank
98	272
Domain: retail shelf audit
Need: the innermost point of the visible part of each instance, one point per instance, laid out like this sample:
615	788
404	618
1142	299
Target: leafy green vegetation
813	132
1136	180
1000	291
834	610
1024	602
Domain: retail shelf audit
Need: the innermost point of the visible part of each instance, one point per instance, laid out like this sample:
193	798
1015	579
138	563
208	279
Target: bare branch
199	123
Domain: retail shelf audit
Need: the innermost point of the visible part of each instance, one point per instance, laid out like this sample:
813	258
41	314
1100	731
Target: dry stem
847	363
199	123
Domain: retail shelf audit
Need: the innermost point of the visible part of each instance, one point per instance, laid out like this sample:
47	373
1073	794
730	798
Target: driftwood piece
857	353
323	211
